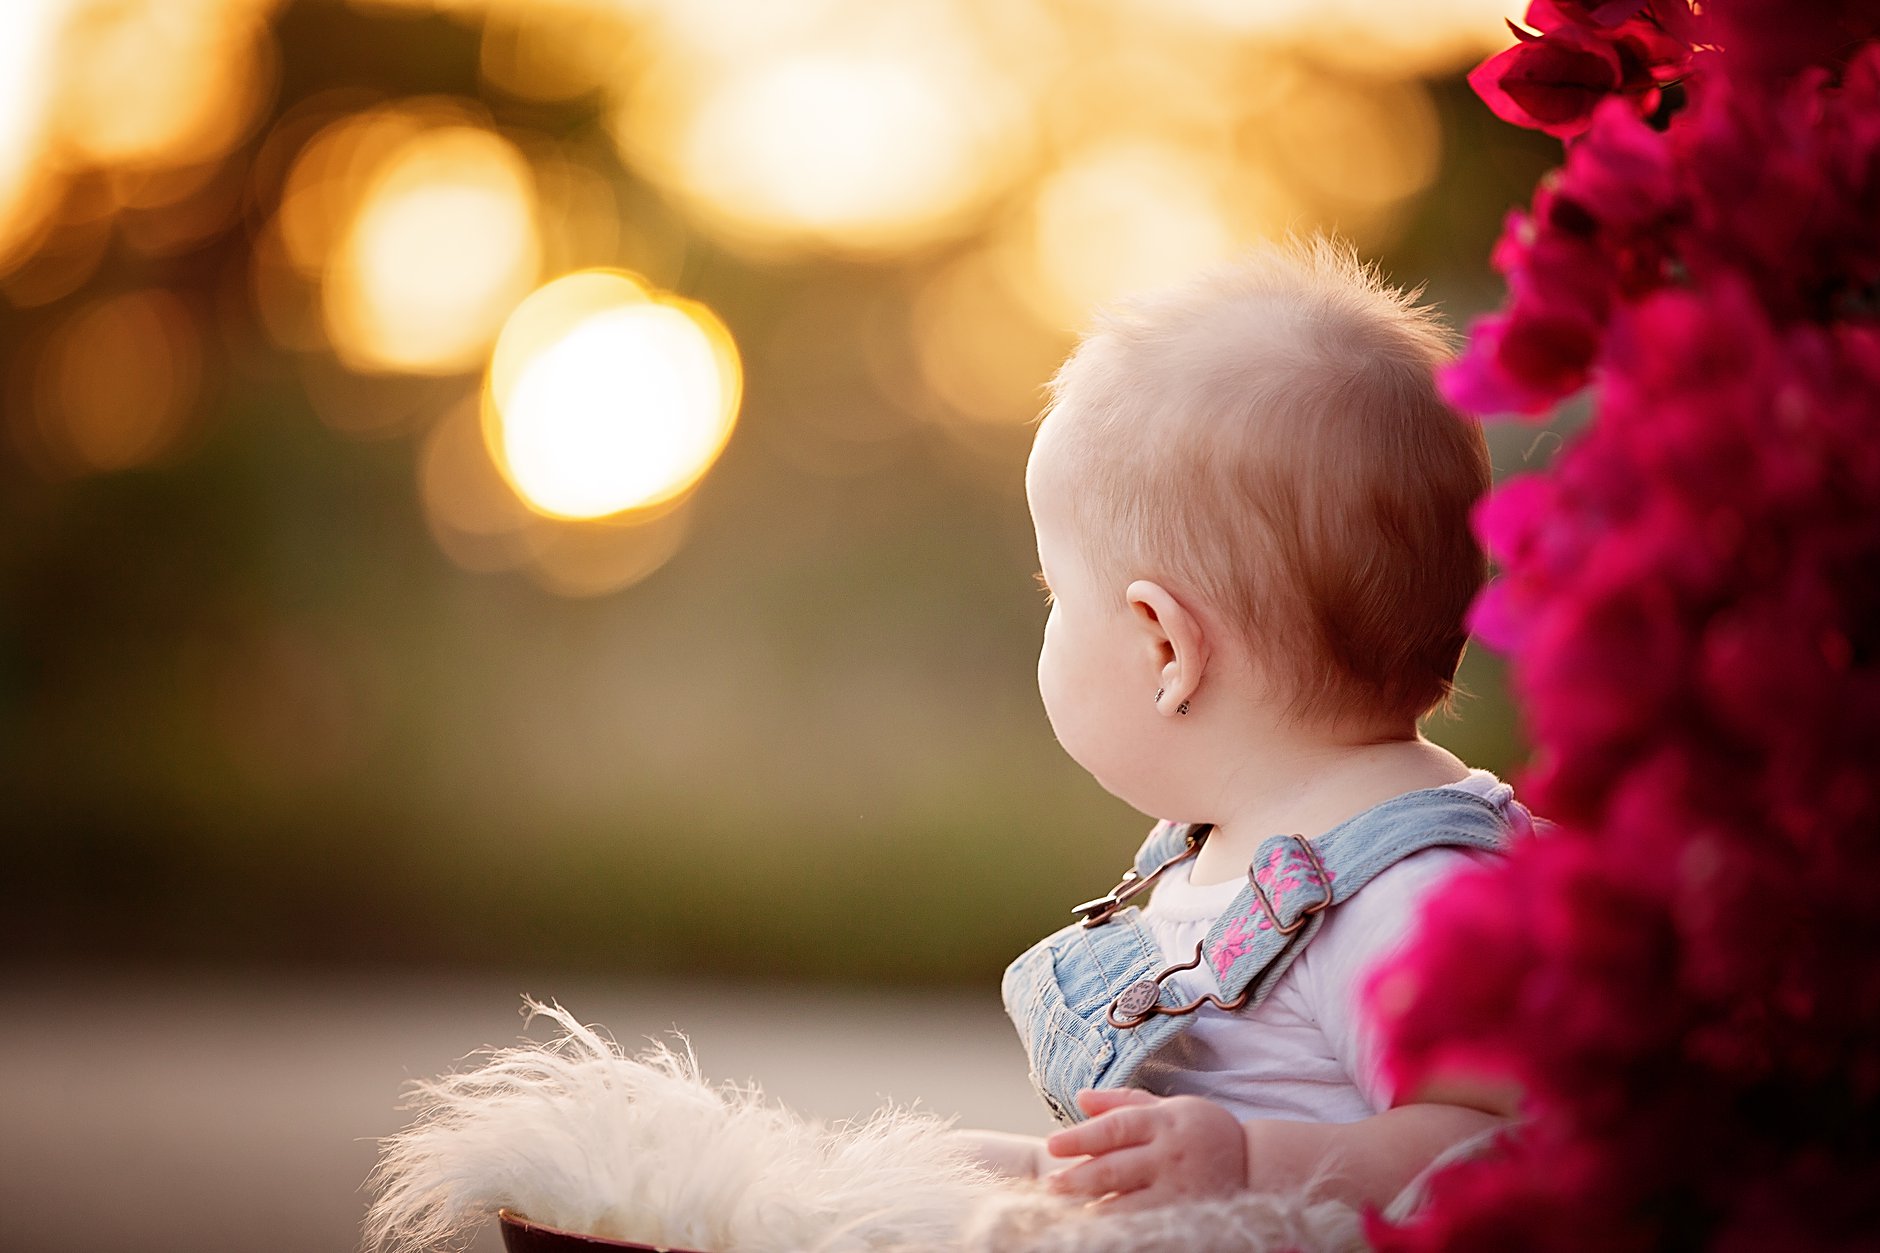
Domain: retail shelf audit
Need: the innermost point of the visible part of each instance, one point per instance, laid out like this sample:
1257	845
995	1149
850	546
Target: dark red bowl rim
509	1218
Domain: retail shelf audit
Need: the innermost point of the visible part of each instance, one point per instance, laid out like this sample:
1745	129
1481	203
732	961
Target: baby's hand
1146	1151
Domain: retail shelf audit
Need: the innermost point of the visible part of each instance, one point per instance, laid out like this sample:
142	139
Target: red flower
1550	83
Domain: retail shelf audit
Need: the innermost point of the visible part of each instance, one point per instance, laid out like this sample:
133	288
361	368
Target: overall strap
1292	881
1165	841
1092	1001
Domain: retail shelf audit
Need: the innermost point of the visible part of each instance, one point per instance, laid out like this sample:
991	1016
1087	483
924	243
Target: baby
1252	514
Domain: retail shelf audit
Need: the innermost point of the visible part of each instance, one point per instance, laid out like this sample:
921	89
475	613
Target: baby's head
1260	460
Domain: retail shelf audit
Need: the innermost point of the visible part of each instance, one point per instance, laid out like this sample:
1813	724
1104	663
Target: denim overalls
1090	1002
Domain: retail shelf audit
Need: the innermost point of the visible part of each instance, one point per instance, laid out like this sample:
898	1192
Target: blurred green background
266	700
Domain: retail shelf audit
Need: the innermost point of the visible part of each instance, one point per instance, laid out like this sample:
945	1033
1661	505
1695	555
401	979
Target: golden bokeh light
552	50
583	221
138	90
1362	144
853	150
733	30
868	130
606	397
1239	17
117	383
30	33
310	168
595	558
404	233
1407	40
482	526
1130	215
319	193
442	245
163	81
980	349
1378	36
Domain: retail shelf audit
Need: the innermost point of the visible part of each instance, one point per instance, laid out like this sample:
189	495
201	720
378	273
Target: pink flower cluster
1685	978
1580	53
1772	184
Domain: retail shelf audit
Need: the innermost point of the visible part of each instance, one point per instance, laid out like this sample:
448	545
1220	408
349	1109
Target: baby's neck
1309	790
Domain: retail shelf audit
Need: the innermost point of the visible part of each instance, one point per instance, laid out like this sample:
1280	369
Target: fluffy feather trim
578	1134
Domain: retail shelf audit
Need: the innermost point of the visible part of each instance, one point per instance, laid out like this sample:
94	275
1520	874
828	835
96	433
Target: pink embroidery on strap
1237	939
1286	870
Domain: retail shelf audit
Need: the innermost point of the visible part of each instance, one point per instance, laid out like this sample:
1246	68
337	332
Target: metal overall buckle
1096	913
1140	1001
1319	876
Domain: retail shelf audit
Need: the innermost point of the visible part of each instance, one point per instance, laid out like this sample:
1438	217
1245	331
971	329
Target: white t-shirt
1306	1052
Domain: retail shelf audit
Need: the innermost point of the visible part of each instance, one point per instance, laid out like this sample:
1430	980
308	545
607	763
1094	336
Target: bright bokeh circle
886	130
606	397
443	243
1122	218
831	145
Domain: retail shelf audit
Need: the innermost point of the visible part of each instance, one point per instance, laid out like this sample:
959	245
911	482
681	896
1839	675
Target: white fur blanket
578	1134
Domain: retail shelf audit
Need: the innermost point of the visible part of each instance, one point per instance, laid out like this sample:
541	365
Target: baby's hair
1269	439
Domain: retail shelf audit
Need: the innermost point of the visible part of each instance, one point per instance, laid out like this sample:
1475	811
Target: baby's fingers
1094	1101
1118	1129
1124	1172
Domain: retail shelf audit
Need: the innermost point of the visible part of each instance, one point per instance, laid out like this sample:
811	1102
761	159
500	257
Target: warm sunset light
1356	145
606	397
1120	218
443	245
29	31
848	146
168	82
1389	38
979	348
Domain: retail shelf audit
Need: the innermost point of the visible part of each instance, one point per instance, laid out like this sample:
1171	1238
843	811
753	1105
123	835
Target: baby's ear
1176	638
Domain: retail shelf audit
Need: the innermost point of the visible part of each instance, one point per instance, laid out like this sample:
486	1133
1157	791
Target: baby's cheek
1056	707
1067	706
1052	681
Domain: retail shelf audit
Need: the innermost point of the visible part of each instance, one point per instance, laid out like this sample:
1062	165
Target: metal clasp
1319	874
1139	1004
1096	913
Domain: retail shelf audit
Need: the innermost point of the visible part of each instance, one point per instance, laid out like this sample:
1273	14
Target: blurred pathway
171	1113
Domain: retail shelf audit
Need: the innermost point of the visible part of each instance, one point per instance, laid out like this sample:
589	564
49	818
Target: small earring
1182	708
1158	694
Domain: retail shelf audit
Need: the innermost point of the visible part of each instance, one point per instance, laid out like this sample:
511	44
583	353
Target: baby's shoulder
1409	876
1376	919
